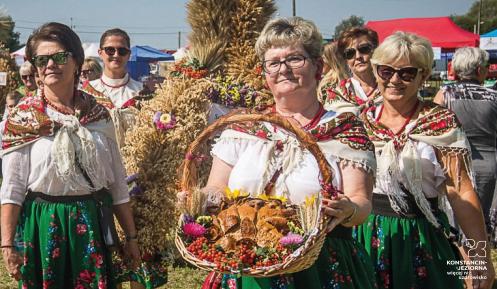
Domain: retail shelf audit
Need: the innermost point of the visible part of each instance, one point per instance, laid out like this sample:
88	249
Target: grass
179	278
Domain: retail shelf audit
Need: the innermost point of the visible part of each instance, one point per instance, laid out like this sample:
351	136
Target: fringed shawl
435	126
341	137
73	141
342	97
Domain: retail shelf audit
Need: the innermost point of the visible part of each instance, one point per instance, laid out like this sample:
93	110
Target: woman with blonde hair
422	155
334	68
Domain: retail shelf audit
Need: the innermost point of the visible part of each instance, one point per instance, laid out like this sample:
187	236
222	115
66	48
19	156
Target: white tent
19	55
91	49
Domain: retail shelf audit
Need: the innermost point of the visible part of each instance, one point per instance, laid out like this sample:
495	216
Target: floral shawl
340	136
28	122
123	117
435	126
343	97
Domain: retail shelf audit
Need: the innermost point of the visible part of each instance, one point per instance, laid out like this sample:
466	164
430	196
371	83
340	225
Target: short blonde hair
404	45
26	69
94	65
289	31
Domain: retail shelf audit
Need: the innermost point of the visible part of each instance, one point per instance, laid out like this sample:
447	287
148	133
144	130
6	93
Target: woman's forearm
9	218
124	215
469	216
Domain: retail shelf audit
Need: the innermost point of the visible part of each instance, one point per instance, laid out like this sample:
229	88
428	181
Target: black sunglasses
27	76
59	58
350	52
121	51
407	74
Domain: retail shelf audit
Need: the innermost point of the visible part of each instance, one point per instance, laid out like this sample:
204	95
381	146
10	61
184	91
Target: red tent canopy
441	31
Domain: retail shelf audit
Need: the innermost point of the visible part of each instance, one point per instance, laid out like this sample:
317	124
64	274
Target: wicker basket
310	249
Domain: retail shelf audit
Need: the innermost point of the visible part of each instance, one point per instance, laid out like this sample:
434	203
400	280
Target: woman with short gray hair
476	109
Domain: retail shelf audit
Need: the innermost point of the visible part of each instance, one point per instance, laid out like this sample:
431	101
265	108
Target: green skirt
342	264
62	246
409	252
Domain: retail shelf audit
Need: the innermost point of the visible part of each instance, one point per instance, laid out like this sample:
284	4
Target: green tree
352	21
7	35
488	16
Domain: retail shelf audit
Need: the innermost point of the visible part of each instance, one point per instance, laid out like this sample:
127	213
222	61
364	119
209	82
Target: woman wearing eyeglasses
290	51
422	155
356	45
91	70
27	73
62	172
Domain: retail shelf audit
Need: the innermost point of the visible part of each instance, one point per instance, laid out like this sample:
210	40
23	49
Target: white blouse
31	167
121	94
250	158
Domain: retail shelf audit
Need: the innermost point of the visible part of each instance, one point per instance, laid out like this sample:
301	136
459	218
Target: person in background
91	70
29	84
11	101
334	68
422	155
61	171
356	45
117	91
476	108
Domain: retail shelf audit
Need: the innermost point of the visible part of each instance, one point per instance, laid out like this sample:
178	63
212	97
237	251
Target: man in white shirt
115	82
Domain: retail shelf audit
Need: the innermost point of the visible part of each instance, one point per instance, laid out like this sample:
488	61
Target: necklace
406	122
314	121
115	86
58	109
372	90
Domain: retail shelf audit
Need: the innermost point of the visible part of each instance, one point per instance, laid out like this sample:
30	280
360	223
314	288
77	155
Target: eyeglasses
86	71
350	52
407	74
27	76
121	51
292	61
59	58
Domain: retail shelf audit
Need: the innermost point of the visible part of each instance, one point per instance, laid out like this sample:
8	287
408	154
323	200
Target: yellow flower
309	201
263	197
235	193
283	199
165	118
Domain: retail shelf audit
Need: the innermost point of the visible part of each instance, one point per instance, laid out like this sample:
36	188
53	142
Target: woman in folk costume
247	158
61	170
422	154
115	89
355	45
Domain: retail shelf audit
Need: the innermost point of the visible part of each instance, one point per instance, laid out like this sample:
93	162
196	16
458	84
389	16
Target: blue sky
157	22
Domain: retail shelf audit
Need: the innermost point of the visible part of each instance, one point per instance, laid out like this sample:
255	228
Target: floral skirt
151	274
62	246
342	264
409	252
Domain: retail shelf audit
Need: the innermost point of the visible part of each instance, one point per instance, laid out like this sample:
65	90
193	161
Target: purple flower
291	239
131	178
164	121
193	230
135	191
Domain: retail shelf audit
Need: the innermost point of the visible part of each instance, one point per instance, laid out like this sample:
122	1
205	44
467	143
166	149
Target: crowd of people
416	176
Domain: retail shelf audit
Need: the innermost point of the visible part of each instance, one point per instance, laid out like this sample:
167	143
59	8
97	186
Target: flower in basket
235	194
193	230
164	121
291	240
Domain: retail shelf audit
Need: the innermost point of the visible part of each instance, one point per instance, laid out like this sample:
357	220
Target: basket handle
188	178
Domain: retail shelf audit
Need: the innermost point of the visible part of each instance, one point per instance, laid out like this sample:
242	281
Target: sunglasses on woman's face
407	74
59	58
350	52
121	51
27	76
